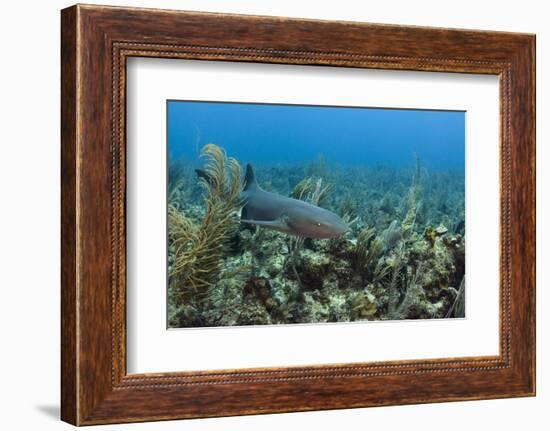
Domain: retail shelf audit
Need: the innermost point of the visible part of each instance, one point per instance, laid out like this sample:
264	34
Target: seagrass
96	41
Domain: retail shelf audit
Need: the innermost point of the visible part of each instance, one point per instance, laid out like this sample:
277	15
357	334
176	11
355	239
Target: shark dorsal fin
249	179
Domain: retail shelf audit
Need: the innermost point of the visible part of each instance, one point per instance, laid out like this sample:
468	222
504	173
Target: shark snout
340	227
335	227
322	224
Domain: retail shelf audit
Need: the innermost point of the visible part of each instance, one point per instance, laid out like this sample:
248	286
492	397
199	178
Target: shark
287	215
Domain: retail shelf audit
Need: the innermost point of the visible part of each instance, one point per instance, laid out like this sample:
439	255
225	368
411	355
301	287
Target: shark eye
318	224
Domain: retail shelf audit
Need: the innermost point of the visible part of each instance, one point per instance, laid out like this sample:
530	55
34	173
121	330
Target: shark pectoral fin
273	224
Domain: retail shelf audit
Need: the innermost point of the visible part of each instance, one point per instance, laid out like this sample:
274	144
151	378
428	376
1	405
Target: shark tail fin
205	176
249	178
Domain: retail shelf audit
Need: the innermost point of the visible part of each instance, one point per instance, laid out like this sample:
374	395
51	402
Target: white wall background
29	215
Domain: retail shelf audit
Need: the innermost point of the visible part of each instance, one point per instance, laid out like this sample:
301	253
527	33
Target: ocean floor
402	257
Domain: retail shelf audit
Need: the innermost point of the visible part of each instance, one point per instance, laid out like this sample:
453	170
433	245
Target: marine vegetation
197	248
311	243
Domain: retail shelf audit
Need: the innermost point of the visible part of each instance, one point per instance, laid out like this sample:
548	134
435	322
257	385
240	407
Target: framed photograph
264	214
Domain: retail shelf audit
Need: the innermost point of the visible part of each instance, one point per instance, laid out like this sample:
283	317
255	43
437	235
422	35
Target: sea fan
198	250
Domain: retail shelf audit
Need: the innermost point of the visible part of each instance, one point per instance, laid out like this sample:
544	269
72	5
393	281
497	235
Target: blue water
268	133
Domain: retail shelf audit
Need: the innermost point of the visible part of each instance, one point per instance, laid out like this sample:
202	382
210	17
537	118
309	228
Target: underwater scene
285	214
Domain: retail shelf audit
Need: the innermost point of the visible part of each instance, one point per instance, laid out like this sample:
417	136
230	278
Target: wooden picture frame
95	43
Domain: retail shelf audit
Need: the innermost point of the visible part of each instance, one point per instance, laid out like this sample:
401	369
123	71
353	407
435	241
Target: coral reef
402	258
